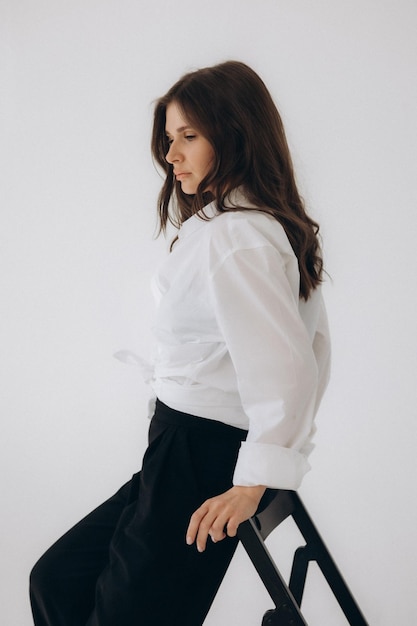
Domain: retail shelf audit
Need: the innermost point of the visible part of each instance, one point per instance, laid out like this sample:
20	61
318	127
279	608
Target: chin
189	190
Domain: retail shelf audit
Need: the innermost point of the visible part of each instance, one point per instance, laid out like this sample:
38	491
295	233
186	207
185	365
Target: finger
212	525
217	531
232	527
203	532
194	524
215	537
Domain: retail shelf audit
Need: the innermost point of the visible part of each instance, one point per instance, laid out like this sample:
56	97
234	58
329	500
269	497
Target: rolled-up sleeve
256	307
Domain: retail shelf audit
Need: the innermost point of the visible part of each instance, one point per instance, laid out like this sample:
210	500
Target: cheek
208	160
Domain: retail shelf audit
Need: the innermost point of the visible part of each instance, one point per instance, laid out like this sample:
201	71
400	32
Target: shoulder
247	228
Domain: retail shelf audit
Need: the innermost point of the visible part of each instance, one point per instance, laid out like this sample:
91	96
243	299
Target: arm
257	310
256	301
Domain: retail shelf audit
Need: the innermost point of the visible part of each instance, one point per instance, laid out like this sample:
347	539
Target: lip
180	175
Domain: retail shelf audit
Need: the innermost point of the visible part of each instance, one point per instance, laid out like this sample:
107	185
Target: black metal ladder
287	598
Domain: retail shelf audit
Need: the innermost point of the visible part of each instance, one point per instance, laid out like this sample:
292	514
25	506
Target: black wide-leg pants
127	563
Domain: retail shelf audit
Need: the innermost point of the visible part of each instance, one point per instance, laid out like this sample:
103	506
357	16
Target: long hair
231	107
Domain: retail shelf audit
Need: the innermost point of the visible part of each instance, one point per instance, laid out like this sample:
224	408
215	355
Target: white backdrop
76	253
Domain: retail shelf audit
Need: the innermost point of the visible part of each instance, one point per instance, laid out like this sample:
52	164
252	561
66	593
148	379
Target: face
189	152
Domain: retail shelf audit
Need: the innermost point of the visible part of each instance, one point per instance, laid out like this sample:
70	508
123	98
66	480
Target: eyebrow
179	130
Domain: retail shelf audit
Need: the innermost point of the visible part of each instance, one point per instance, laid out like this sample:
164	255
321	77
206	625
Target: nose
172	155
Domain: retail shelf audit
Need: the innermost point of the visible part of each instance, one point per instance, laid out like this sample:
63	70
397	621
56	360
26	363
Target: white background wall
76	254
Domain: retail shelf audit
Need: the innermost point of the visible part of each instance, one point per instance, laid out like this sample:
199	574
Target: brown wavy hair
231	107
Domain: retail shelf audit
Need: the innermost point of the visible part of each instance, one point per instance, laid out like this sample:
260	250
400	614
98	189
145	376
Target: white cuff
270	465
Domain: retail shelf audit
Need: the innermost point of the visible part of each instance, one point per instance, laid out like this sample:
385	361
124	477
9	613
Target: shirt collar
196	221
236	198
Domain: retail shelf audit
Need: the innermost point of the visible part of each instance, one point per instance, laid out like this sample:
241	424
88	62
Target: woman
241	362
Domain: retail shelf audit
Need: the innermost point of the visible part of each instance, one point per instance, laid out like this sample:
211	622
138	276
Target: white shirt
234	343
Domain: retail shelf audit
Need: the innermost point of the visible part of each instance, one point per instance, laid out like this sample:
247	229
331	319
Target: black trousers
127	562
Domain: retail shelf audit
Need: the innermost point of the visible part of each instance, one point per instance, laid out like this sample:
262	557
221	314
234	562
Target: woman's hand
223	514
